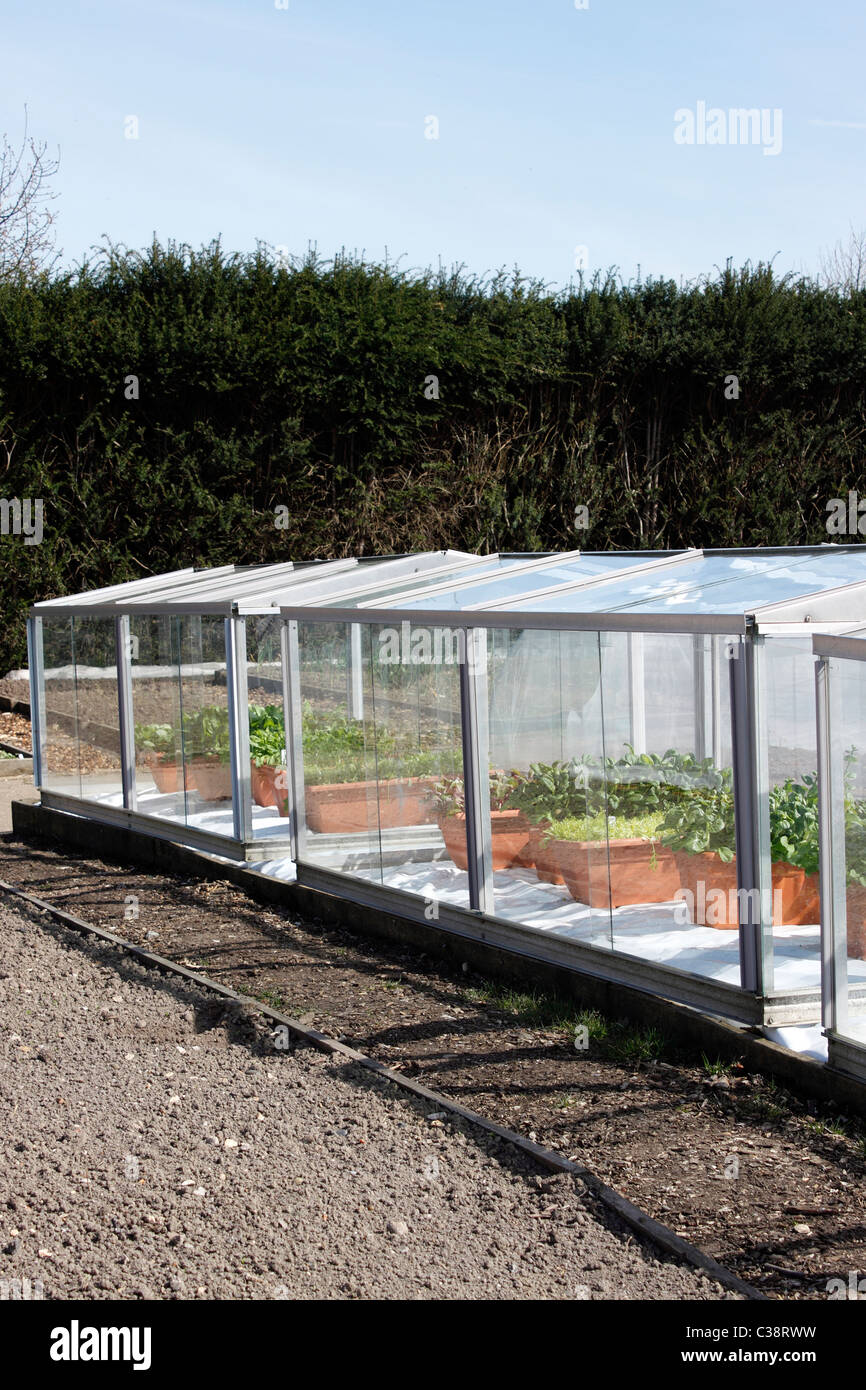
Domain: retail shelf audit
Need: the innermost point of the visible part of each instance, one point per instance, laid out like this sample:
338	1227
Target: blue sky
556	127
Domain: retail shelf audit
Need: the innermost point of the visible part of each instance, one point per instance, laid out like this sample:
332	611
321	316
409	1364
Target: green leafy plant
548	791
206	733
267	735
602	827
339	749
160	739
794	823
702	821
450	793
638	783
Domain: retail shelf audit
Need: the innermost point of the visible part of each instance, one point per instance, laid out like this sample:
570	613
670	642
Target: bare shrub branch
844	267
26	219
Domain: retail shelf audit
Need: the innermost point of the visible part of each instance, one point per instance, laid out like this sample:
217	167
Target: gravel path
156	1145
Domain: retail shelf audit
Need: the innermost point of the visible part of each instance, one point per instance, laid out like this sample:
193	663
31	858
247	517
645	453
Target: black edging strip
633	1216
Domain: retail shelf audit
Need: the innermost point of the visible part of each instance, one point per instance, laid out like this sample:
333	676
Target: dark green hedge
262	386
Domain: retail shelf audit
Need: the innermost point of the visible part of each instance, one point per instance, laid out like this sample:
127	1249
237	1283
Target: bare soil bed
771	1186
159	1145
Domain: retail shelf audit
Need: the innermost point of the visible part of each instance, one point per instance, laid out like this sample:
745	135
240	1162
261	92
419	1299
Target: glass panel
207	775
60	768
849	754
418	583
712	583
509	581
98	714
739	593
180	719
789	692
419	761
269	779
549	822
375	755
669	802
339	748
156	712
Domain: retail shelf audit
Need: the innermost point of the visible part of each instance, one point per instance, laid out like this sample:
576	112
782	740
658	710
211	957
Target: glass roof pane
728	583
411	583
524	581
791	580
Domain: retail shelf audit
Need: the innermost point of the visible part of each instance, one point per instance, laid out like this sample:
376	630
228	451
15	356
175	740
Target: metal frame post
752	813
476	767
293	716
239	727
126	727
36	667
832	855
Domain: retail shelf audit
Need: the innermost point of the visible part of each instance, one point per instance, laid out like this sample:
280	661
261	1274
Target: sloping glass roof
712	590
715	583
251	588
509	580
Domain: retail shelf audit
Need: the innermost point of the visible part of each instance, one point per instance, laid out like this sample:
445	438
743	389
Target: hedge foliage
263	385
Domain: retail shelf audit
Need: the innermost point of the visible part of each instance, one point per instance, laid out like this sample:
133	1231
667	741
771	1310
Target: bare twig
26	220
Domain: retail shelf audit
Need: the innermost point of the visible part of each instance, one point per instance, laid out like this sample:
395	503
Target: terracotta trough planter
713	886
509	833
806	910
213	779
541	854
349	807
165	772
636	873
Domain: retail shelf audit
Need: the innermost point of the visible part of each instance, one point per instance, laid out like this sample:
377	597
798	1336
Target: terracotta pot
635	874
709	880
713	886
541	854
855	908
213	779
509	832
269	786
349	807
796	900
164	771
